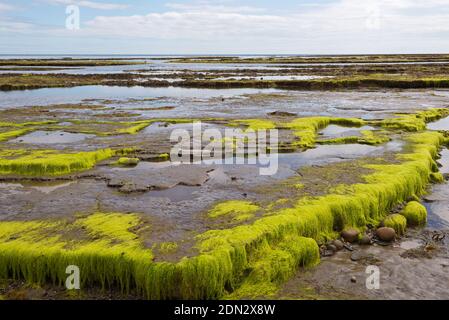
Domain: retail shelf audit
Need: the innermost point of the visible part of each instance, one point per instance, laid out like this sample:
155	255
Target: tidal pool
442	124
437	201
51	137
335	131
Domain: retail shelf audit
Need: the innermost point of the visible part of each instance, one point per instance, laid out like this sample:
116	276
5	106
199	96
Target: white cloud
14	26
90	4
340	19
207	6
343	26
6	7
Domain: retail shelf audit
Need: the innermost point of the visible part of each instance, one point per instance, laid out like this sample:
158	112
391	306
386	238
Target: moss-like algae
233	207
397	222
415	213
415	121
124	161
306	129
368	137
37	252
50	163
13	134
436	177
268	250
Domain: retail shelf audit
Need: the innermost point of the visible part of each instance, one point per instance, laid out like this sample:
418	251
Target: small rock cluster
350	236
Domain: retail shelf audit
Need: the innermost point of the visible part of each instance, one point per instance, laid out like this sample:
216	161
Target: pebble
338	244
353	279
350	235
386	234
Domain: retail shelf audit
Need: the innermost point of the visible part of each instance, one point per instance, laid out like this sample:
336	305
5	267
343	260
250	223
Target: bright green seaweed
49	162
247	260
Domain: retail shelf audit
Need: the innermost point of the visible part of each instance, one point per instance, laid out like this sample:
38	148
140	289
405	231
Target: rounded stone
338	244
350	235
386	234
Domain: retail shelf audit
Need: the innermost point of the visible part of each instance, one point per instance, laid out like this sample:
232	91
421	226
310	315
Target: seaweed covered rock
128	161
350	234
386	234
49	162
415	213
436	177
396	222
365	240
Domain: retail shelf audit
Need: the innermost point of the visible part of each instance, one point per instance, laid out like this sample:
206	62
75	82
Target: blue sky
225	26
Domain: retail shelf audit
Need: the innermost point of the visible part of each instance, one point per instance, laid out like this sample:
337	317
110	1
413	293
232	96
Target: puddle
51	137
263	77
245	170
437	203
340	131
444	161
442	124
226	103
49	96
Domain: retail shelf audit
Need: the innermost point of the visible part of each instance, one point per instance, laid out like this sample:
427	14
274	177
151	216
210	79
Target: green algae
36	252
271	265
168	247
397	222
164	157
49	162
135	127
415	213
104	128
4	136
27	124
368	137
416	121
306	129
128	161
314	60
240	210
19	129
436	177
251	260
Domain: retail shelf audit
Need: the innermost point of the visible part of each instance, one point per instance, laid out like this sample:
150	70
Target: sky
223	26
